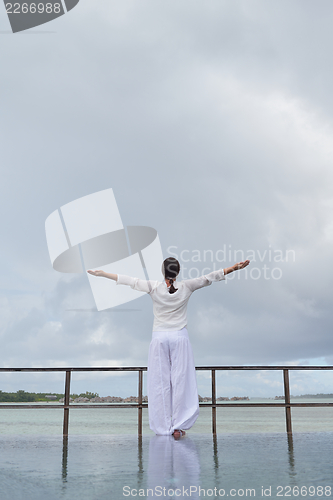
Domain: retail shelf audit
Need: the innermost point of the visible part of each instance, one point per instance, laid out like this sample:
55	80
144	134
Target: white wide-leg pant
172	387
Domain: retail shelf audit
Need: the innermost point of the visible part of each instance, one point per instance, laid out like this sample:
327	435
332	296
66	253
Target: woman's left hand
241	265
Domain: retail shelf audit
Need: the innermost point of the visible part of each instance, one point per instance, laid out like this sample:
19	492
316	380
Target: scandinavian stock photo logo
88	233
26	14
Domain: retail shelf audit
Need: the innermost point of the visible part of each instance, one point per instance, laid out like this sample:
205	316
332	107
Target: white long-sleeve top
170	309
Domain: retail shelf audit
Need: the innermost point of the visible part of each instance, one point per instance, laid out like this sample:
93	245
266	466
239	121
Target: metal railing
140	405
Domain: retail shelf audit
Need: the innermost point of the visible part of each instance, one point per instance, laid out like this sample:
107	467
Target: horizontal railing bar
144	368
93	369
145	405
264	368
267	405
62	407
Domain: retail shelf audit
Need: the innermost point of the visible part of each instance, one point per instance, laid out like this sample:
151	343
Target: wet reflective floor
198	466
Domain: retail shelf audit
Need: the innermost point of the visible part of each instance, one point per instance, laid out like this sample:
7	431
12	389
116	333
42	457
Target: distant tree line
31	397
308	396
321	395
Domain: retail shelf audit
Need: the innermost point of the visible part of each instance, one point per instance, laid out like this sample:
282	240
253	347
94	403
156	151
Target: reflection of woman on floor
173	465
172	388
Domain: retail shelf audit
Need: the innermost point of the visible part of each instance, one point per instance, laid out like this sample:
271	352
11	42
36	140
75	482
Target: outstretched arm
207	279
103	274
236	267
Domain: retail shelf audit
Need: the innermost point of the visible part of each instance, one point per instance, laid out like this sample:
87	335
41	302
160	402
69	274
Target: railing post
140	403
287	399
66	402
64	457
214	403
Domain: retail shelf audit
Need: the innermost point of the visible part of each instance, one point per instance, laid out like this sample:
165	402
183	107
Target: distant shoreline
88	397
306	396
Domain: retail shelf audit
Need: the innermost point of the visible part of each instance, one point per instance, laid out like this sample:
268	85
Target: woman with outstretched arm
173	403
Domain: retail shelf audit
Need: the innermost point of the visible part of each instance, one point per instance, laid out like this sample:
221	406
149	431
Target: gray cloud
213	124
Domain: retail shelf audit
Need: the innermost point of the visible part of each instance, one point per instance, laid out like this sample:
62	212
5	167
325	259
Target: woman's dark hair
171	269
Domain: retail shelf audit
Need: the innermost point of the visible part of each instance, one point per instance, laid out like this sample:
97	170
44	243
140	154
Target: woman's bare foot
177	434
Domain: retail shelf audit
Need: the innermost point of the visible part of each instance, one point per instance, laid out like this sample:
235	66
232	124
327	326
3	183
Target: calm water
104	459
110	466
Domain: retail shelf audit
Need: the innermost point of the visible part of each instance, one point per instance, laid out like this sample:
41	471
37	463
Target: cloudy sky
213	123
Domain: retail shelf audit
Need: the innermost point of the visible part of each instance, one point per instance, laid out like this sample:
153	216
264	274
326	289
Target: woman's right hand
97	273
